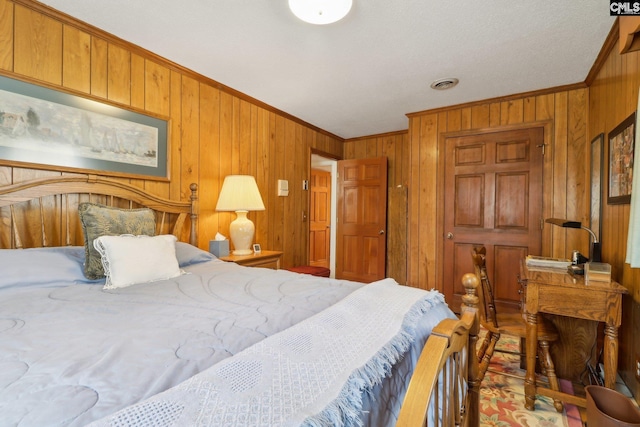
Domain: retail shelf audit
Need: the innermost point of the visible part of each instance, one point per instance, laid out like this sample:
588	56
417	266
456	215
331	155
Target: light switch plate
283	187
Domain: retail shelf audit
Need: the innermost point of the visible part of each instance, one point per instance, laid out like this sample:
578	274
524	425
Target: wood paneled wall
613	97
561	112
414	162
214	130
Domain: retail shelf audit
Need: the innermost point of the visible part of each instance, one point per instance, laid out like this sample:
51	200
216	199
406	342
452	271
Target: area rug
502	396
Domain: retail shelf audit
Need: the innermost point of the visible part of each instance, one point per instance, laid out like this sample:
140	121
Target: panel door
493	197
362	219
320	218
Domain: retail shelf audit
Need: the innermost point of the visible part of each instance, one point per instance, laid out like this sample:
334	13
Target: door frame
332	163
547	185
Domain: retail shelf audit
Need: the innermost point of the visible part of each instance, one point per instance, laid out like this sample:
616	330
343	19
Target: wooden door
493	197
362	219
320	218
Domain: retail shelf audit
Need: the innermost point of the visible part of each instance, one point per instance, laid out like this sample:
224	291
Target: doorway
322	232
357	195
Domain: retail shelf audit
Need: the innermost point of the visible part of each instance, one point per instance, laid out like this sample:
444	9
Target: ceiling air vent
443	84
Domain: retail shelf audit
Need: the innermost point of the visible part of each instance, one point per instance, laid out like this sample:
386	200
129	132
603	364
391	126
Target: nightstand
264	259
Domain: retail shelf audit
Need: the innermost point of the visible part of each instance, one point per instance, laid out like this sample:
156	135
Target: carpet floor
502	396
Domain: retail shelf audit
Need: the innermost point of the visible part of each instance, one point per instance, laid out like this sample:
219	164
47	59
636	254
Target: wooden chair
513	324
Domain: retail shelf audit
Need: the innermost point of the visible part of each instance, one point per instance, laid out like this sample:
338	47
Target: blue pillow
42	266
64	264
188	254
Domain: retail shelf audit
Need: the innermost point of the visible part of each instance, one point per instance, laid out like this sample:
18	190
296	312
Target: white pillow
129	259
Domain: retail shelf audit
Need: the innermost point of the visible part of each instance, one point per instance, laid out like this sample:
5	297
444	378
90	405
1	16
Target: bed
173	336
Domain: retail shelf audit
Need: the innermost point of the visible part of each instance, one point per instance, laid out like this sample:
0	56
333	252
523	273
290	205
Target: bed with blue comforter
211	344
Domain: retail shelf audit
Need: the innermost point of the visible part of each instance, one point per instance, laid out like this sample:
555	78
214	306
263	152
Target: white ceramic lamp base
241	231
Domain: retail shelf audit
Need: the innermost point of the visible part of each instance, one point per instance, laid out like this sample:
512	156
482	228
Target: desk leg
610	356
532	350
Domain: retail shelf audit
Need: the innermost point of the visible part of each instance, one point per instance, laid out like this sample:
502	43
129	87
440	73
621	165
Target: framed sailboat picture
45	128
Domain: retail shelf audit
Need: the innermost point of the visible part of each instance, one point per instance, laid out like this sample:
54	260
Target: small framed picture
621	144
256	248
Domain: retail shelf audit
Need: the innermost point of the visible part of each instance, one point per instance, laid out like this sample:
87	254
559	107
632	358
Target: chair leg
483	346
550	371
491	340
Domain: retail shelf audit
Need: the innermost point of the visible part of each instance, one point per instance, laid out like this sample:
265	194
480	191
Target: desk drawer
574	302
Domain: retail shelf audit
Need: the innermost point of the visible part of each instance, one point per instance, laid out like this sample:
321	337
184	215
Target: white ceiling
362	75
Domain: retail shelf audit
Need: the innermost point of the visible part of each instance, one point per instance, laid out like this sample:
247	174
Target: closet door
493	197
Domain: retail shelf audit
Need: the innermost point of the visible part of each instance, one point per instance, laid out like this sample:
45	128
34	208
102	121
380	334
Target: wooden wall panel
38	46
6	35
175	127
288	170
76	70
613	97
137	81
262	170
190	133
157	88
277	167
99	52
559	172
119	80
300	200
209	153
214	131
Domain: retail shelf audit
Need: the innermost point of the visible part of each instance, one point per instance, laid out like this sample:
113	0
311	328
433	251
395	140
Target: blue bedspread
72	353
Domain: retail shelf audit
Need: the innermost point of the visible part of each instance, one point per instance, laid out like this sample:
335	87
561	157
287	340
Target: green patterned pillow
100	220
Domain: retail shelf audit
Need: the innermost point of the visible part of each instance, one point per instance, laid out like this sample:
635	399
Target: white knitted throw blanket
311	374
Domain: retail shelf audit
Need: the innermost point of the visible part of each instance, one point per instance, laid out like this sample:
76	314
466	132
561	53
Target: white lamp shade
240	194
320	12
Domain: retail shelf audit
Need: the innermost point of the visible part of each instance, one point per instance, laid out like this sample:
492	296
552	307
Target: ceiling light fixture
320	12
443	84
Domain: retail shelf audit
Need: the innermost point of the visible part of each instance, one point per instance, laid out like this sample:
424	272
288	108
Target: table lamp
240	194
595	255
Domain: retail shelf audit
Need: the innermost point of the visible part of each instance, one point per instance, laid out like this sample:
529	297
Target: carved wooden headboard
44	212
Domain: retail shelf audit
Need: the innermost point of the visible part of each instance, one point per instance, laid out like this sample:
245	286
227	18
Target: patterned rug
502	396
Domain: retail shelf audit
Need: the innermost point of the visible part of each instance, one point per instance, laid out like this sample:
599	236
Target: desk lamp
240	194
595	255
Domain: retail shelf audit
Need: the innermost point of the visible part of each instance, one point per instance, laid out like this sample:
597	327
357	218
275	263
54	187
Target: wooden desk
558	292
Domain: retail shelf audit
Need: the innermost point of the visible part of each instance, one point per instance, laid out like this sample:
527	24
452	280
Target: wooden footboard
446	378
44	212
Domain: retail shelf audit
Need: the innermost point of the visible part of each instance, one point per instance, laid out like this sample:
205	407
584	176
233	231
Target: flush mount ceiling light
443	84
320	12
